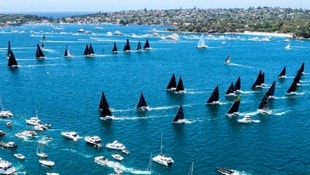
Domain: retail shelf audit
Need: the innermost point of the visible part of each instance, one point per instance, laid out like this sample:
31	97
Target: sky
117	5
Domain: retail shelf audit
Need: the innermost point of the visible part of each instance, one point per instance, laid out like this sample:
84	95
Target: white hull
101	160
6	167
115	145
19	156
163	160
71	135
47	163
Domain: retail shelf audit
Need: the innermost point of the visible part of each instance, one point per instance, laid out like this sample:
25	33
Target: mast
146	45
271	90
282	73
179	115
215	96
114	50
39	53
180	86
172	83
9	48
230	89
237	86
12	63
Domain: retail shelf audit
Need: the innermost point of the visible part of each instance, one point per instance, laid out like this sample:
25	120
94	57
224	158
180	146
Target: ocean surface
66	93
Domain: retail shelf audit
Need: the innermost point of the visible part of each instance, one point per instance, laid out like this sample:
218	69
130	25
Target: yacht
117	157
6	167
19	156
47	162
26	134
101	160
163	160
10	145
115	145
33	121
125	151
94	140
71	135
118	171
5	114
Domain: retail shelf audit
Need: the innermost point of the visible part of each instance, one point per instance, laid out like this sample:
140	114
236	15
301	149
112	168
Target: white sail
201	42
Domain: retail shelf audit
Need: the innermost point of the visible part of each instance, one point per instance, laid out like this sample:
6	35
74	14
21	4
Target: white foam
240	65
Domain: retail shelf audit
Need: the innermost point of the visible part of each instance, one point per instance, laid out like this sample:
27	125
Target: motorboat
6	167
163	160
125	151
94	140
10	145
26	134
247	119
115	145
117	157
118	171
45	162
225	171
5	114
101	160
71	135
33	121
19	156
81	30
40	127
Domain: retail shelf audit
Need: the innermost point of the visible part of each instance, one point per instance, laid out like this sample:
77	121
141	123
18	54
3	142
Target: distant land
235	20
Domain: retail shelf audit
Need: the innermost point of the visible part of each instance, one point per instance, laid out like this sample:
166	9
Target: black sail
234	107
282	73
302	68
264	104
259	80
297	78
114	50
86	51
180	86
172	83
146	45
127	46
237	86
103	102
230	89
105	112
91	50
39	53
215	96
142	101
12	61
292	88
139	47
67	52
271	90
179	115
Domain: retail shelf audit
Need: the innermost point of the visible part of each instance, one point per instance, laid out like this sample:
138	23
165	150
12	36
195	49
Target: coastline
286	35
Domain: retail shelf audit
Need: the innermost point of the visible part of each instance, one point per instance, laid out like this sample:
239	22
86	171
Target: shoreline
286	35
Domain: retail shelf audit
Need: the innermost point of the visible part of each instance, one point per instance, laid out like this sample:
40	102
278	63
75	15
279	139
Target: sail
127	46
180	115
172	83
230	90
86	51
114	50
201	43
297	78
264	104
39	53
271	90
237	86
146	45
234	107
302	68
259	80
12	61
282	73
9	49
43	40
292	89
141	103
67	52
180	86
91	50
215	96
103	102
106	112
227	60
139	47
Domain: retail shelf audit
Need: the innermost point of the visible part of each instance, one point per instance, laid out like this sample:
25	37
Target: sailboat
237	86
264	105
142	105
297	77
105	113
180	86
114	50
271	90
39	53
89	51
260	80
233	110
292	90
40	151
230	90
215	97
43	40
201	43
172	85
103	102
127	47
67	53
288	46
9	49
179	118
161	158
227	60
282	73
12	63
139	47
147	45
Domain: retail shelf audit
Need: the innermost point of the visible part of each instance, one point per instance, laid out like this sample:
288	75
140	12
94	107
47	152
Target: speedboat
47	162
115	145
125	151
6	167
117	157
6	114
118	171
94	140
101	160
10	145
71	135
163	160
19	156
26	134
33	121
225	171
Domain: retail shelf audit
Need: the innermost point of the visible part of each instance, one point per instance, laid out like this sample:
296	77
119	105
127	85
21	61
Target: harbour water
66	93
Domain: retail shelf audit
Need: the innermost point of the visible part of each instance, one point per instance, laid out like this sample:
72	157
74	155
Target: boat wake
249	113
240	65
164	108
78	153
280	113
113	164
40	65
241	173
49	50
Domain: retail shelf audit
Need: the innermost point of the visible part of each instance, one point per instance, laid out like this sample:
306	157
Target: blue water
66	93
